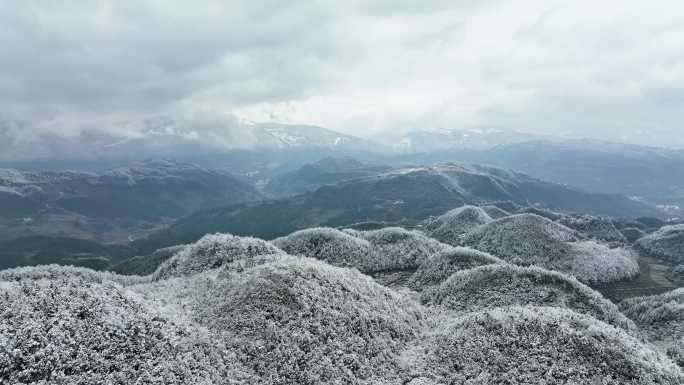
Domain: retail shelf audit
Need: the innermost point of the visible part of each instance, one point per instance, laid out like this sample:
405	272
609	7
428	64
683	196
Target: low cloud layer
613	70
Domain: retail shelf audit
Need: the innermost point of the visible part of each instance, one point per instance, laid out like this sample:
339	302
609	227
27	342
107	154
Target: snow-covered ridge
293	136
30	182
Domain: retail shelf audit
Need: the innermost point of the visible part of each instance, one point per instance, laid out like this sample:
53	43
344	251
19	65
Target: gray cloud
613	71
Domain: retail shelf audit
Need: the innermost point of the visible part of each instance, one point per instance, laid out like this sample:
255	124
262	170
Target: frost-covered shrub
595	227
632	234
59	272
657	308
666	243
495	212
449	227
528	239
438	267
400	249
332	246
502	285
213	251
537	345
662	318
595	263
301	321
74	330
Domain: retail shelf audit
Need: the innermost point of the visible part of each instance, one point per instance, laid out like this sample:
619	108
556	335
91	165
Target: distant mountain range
100	205
165	138
425	141
652	174
262	153
325	171
399	196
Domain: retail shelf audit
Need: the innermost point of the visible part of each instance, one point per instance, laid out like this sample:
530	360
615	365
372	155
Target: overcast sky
606	69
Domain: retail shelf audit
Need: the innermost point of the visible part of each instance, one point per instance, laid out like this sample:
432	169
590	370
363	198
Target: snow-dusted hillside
499	285
449	227
661	317
533	345
439	267
528	239
595	227
238	310
214	251
376	251
666	244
